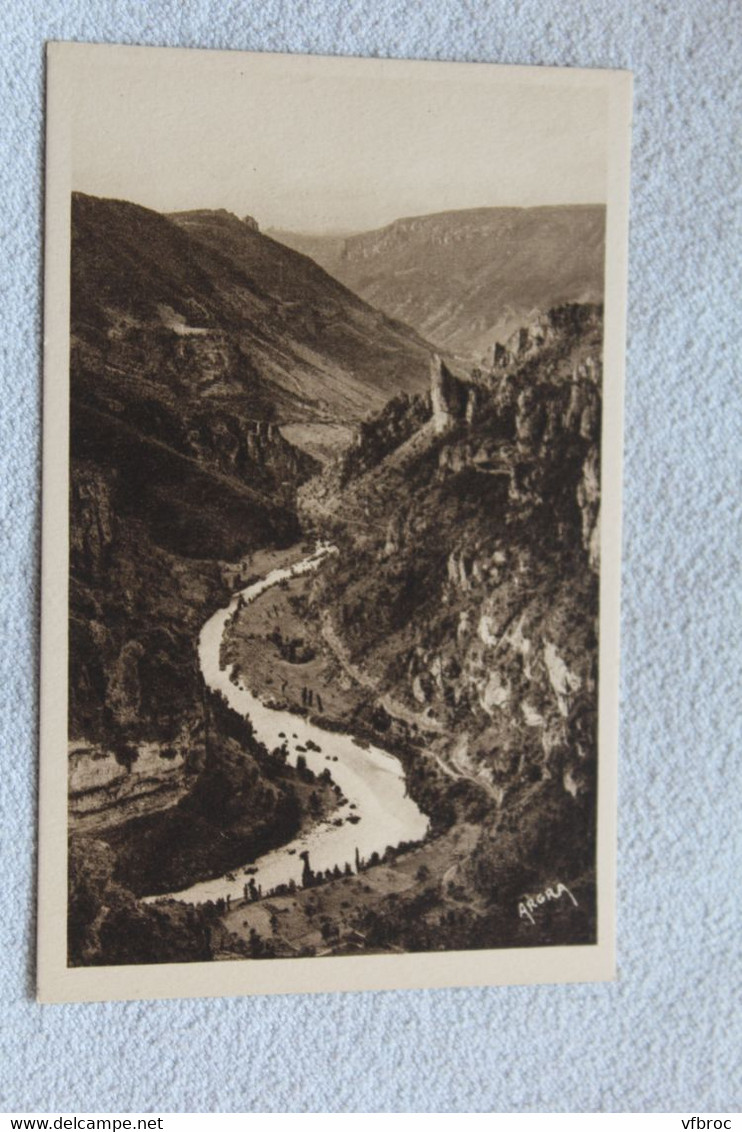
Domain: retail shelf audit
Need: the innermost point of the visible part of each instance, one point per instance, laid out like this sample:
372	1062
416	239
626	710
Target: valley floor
290	656
276	646
332	918
414	898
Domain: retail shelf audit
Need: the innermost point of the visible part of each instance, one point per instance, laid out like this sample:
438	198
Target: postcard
331	523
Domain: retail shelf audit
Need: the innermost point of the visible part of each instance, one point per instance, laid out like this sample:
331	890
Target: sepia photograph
332	437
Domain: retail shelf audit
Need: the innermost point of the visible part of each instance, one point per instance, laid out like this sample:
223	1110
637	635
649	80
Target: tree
307	876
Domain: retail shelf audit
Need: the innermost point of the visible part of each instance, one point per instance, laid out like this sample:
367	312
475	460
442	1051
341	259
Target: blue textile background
666	1035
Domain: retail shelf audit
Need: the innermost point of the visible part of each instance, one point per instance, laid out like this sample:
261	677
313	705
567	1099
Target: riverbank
335	917
378	877
282	646
275	643
376	810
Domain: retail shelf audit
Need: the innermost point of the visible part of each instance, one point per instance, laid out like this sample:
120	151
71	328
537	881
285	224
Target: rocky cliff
466	590
192	342
451	400
192	339
469	278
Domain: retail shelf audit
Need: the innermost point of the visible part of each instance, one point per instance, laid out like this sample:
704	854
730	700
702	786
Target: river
370	778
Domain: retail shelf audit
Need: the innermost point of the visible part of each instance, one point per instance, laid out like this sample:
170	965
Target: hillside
193	343
466	279
465	594
455	625
201	305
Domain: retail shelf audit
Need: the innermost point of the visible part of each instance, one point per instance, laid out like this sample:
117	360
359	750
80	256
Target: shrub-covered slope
464	279
466	587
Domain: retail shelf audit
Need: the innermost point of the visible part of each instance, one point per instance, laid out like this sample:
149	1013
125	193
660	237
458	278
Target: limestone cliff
468	278
466	589
449	397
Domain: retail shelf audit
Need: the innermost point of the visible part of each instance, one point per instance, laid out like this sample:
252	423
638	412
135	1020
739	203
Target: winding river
371	779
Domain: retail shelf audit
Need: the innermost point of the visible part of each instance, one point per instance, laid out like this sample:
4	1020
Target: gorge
417	711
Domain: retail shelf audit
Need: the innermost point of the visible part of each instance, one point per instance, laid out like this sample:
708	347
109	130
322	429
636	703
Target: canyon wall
466	592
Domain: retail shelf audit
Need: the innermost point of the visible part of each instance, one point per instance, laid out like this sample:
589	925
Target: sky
319	145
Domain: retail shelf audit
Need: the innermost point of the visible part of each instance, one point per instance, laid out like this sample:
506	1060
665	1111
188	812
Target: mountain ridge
460	617
226	312
457	621
465	278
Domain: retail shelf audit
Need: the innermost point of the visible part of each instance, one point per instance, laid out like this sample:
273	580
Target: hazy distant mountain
466	279
326	250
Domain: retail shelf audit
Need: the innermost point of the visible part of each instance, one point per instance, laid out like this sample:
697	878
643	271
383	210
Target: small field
329	917
276	647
